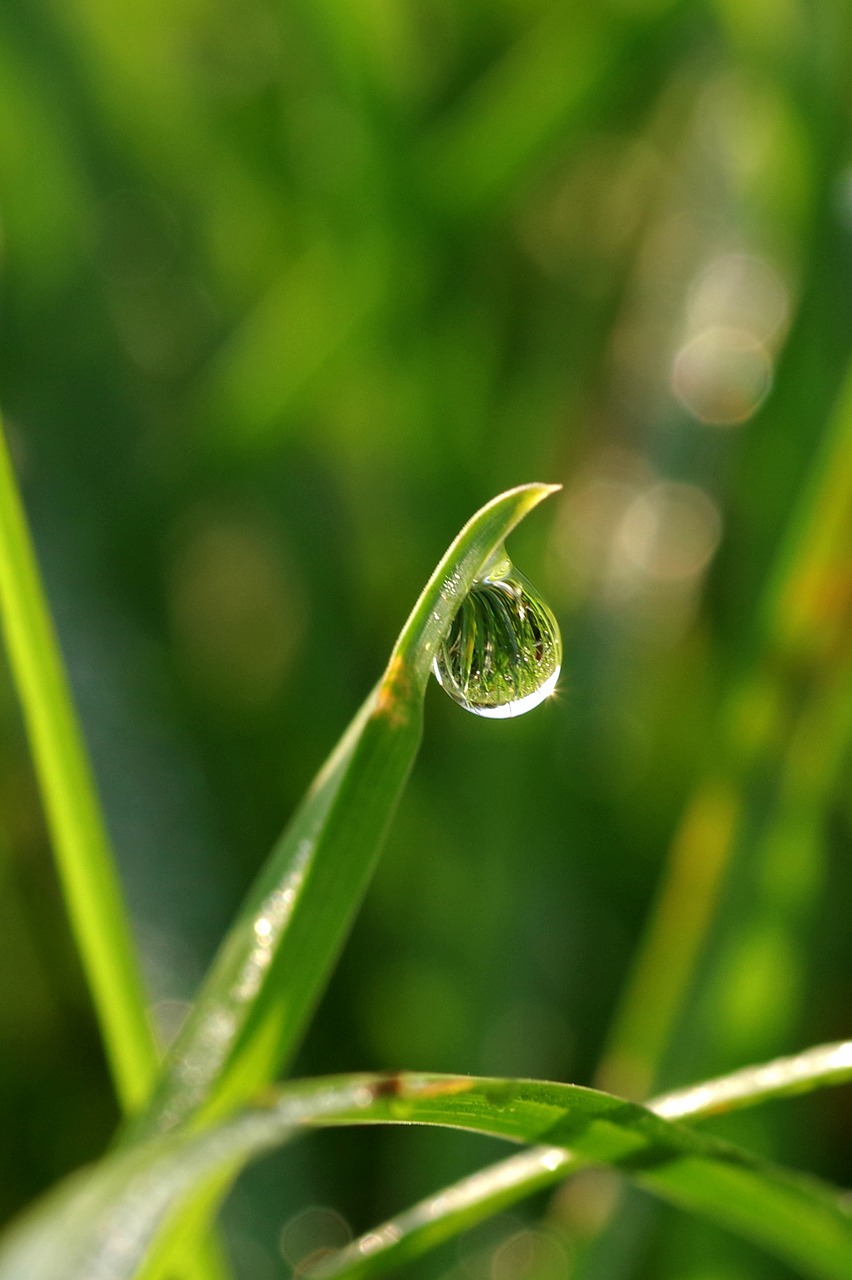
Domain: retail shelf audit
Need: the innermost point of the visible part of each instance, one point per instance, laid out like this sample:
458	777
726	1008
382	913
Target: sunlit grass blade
275	960
101	1223
497	1187
448	1213
80	841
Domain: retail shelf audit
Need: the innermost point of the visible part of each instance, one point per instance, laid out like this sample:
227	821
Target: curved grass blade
493	1189
276	958
797	1218
100	1224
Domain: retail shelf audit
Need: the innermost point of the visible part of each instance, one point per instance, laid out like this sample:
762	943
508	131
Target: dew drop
503	653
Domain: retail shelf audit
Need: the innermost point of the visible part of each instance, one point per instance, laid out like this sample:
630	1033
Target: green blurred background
288	290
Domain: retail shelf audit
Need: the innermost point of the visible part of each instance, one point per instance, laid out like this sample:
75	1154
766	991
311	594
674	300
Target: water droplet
503	653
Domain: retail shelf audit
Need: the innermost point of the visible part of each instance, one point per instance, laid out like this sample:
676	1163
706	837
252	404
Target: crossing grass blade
499	1186
101	1223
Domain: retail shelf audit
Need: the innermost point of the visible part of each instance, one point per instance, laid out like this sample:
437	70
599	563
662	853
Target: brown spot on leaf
435	1088
394	693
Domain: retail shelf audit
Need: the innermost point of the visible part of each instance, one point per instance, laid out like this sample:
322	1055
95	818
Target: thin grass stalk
81	845
79	838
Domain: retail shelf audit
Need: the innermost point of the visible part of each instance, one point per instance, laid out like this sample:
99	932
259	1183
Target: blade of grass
794	1217
80	841
275	960
499	1186
79	837
273	964
100	1223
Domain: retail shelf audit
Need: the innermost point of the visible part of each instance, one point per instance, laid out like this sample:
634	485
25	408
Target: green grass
85	860
796	1218
273	964
275	960
288	291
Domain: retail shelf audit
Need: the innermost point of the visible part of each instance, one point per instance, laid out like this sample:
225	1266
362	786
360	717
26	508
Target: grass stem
81	844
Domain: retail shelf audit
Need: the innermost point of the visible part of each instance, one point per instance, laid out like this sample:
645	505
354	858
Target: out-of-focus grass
262	262
753	831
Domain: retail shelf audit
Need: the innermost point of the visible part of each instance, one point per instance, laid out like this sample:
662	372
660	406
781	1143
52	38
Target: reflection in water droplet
503	653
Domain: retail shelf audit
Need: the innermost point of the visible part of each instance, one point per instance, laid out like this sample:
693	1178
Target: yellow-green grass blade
80	841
